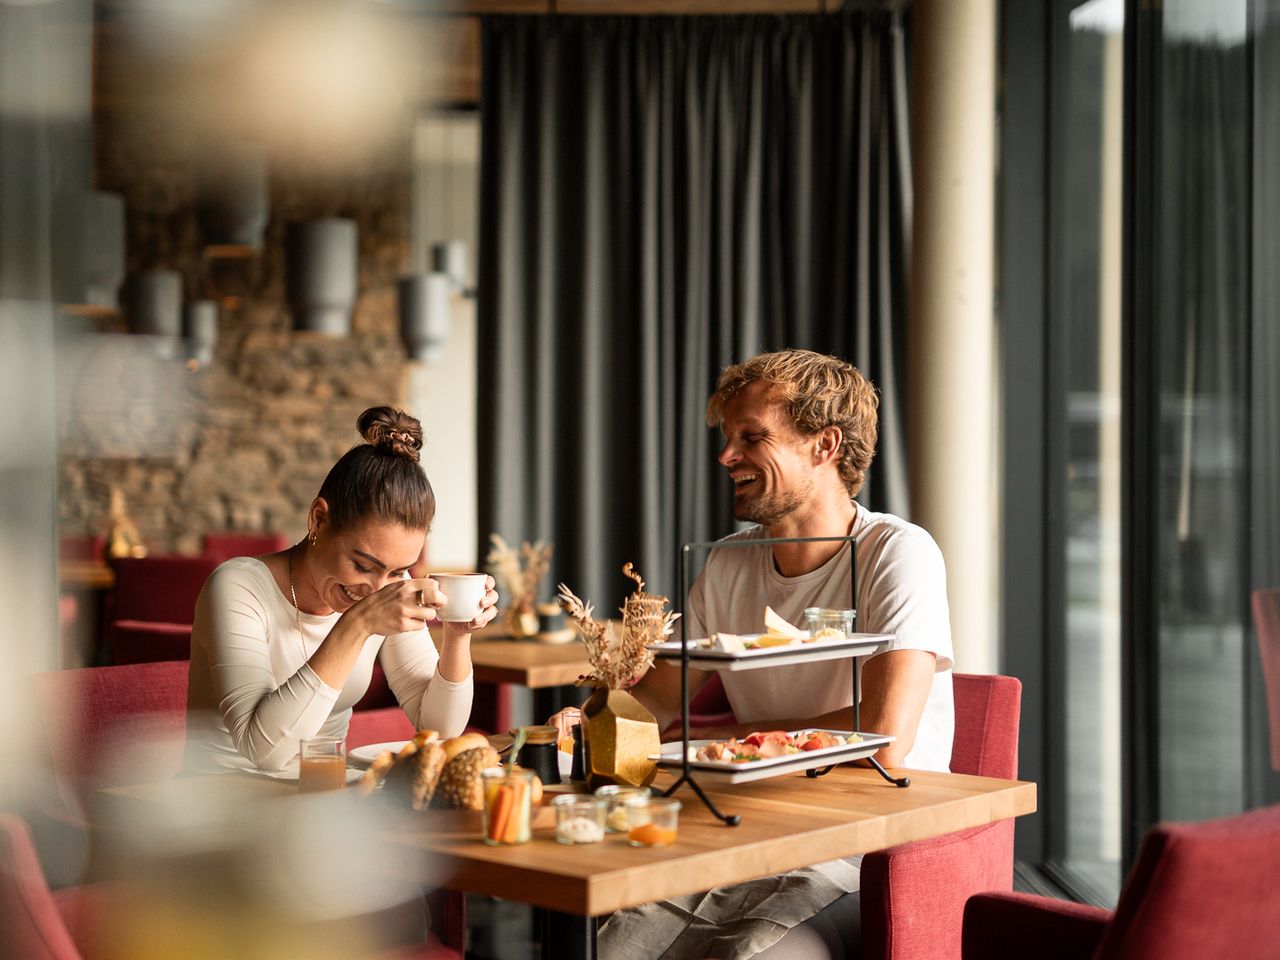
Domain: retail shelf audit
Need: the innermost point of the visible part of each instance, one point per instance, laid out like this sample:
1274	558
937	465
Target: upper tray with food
830	638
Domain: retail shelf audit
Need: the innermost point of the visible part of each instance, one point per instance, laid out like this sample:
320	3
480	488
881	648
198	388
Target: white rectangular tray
854	645
727	771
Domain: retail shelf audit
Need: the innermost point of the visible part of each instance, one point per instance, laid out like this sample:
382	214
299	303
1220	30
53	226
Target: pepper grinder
577	772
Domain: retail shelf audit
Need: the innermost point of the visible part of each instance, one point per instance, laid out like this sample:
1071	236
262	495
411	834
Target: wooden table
544	668
787	822
85	575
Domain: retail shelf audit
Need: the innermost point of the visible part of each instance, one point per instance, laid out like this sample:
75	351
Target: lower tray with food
771	753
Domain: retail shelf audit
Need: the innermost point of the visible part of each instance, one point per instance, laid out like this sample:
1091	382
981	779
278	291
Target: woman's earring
311	537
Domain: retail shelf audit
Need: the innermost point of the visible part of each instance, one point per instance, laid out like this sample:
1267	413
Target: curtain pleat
661	197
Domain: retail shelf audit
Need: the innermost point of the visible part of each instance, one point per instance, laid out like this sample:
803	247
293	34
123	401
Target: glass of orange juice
322	764
652	821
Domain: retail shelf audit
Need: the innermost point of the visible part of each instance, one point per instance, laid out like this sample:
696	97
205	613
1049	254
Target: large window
1142	226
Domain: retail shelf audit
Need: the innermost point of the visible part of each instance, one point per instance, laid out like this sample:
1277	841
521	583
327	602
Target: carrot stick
517	792
501	813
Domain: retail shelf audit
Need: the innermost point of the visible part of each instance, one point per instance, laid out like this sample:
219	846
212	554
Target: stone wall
242	443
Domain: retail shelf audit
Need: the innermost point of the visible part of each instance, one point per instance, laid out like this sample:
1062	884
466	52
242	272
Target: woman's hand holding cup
469	602
402	606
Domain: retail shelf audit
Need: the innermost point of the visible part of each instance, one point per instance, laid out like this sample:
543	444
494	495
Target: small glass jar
828	624
615	797
652	821
579	819
508	804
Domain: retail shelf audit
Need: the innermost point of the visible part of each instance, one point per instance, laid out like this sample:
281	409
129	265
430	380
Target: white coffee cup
464	592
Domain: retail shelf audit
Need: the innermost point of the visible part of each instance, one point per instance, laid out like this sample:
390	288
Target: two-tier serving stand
856	647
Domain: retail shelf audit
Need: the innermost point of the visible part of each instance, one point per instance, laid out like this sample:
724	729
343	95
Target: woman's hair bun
392	431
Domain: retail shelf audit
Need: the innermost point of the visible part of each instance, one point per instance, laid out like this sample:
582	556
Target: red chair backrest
85	712
1266	615
1201	890
988	708
141	641
30	925
228	544
162	588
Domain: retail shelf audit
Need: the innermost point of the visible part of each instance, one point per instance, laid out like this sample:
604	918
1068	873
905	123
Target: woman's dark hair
380	479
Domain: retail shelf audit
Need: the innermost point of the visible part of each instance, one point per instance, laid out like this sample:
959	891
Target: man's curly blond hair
817	391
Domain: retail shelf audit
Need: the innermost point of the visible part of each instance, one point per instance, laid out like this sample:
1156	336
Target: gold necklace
297	611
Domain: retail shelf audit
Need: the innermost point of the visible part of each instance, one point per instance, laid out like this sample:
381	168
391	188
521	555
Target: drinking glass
322	764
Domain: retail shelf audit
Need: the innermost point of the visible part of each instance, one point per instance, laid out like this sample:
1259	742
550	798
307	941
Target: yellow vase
619	736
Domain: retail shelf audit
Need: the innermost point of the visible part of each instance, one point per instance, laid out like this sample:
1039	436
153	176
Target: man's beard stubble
771	509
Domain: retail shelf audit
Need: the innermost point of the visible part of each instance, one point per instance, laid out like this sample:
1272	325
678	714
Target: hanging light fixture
104	256
321	270
426	315
200	330
231	206
450	258
154	307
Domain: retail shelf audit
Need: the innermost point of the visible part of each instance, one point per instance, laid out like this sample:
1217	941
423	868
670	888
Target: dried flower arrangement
518	574
620	661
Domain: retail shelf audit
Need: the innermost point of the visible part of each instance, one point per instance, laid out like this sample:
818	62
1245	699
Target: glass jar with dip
828	624
579	819
652	821
615	797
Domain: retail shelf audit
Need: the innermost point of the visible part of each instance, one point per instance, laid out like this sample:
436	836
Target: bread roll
468	741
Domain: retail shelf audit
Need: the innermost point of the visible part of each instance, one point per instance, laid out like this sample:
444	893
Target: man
799	435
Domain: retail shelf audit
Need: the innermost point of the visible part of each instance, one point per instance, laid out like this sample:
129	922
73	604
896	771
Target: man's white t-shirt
252	694
902	591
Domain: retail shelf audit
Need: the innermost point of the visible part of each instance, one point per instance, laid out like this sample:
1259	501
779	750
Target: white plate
729	771
702	657
370	752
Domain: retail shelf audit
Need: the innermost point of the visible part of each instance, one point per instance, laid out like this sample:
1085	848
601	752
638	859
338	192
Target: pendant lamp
450	258
231	206
154	308
200	330
321	265
104	256
426	315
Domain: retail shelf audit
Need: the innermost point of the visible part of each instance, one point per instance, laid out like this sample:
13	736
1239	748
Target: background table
546	669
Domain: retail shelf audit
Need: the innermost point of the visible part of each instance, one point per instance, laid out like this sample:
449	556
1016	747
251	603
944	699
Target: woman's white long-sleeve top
252	694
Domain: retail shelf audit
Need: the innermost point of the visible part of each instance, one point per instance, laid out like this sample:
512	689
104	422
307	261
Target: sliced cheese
773	640
776	626
728	642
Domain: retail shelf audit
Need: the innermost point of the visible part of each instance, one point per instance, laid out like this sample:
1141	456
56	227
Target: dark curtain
661	197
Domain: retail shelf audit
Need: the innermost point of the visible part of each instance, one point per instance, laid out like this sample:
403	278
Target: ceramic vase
619	738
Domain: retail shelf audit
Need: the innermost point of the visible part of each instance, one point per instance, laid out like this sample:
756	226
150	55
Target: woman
283	645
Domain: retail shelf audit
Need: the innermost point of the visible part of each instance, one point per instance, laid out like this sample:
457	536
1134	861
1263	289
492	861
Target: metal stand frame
686	774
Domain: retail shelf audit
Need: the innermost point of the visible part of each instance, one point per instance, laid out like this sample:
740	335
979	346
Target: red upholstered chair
82	711
709	707
1266	615
39	924
1197	890
378	726
32	921
81	548
159	589
913	895
227	544
142	641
